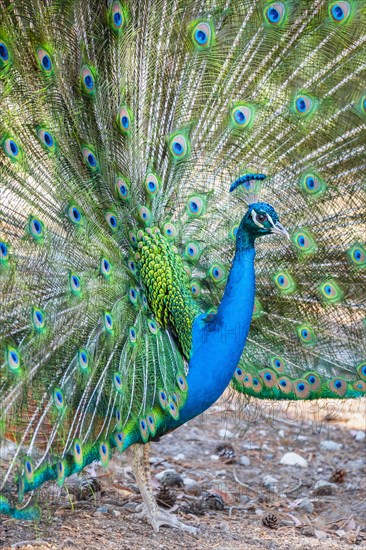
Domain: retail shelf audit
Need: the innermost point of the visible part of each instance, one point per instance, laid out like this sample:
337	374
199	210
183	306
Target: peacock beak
278	229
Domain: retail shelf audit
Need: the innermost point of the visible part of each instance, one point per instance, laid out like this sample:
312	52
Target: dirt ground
222	473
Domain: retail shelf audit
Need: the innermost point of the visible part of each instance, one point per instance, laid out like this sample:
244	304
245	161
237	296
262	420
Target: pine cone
171	479
166	497
270	521
212	501
226	452
338	476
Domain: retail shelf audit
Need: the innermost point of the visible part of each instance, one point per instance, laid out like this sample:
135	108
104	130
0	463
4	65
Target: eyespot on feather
38	319
124	119
285	384
202	34
256	385
117	17
339	12
361	369
122	187
119	439
78	452
5	55
87	75
275	13
152	184
196	288
36	229
217	273
314	380
330	291
44	60
304	242
312	184
357	255
4	253
104	453
83	359
13	359
306	334
269	378
12	149
108	322
196	206
74	214
58	399
90	158
192	251
301	388
239	375
284	282
278	363
163	399
338	386
151	424
179	145
304	105
46	138
241	115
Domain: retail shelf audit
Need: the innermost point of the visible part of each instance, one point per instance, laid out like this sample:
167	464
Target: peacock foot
158	517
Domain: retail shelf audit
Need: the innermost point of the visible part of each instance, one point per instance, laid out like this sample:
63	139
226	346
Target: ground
228	481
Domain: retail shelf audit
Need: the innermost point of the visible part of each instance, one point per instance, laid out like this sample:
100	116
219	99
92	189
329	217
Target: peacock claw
159	517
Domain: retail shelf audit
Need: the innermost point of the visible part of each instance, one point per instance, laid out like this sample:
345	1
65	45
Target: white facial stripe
254	216
270	219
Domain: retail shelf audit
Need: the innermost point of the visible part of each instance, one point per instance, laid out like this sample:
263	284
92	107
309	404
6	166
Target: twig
244	484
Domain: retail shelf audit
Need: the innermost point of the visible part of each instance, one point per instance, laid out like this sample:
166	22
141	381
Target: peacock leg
149	509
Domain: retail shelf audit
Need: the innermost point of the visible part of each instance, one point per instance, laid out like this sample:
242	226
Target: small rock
305	505
225	433
160	475
171	479
324	488
244	461
116	513
281	433
179	457
360	435
214	457
269	481
130	506
192	487
330	445
293	459
102	510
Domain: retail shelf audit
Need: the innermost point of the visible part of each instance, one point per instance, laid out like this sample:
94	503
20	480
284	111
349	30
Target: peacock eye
262	218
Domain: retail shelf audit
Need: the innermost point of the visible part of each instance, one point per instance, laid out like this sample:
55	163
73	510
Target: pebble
293	459
225	433
214	457
360	435
269	481
160	475
330	445
244	461
179	457
102	510
116	513
192	487
324	488
306	506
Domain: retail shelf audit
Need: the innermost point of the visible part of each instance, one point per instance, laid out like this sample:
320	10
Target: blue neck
217	345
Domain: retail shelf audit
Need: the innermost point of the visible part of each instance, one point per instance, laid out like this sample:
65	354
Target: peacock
145	150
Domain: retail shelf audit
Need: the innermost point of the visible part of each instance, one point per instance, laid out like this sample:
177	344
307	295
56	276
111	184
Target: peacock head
262	219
